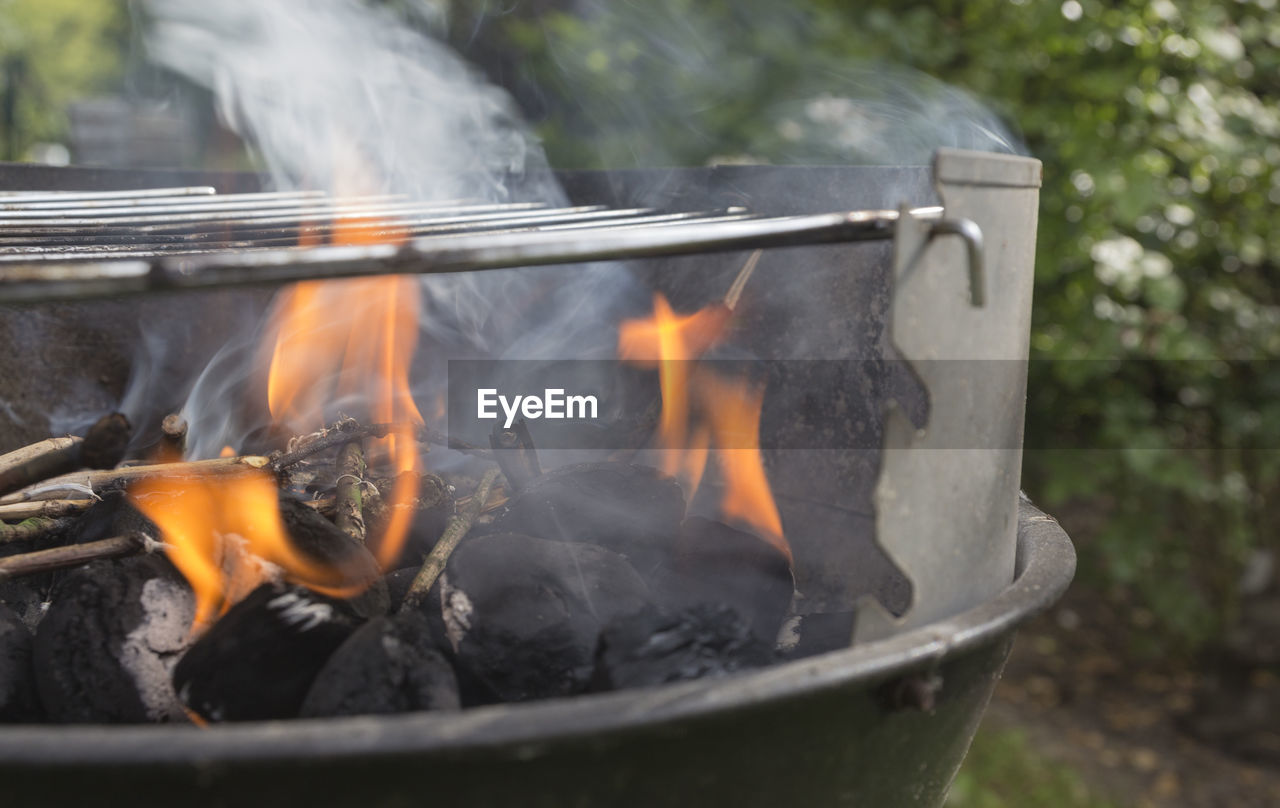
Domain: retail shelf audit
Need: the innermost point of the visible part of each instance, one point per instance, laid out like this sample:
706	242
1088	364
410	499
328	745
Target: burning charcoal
260	658
325	542
17	675
718	564
633	510
652	648
523	614
105	649
390	665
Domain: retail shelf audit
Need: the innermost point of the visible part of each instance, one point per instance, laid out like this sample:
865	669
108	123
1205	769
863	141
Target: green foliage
1003	770
53	52
1156	311
1155	409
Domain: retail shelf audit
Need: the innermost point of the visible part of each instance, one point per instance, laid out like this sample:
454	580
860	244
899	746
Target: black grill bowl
834	729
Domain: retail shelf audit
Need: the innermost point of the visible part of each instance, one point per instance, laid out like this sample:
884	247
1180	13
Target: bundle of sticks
46	486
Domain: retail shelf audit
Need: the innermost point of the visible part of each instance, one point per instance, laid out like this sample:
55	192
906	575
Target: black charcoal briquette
523	614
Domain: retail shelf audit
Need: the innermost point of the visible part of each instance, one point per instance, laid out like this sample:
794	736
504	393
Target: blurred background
1153	423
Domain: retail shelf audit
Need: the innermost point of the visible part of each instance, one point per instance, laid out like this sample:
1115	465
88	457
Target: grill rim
1046	562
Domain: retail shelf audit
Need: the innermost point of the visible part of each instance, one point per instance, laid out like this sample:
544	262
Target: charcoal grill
915	545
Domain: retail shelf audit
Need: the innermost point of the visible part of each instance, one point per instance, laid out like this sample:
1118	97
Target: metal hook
968	230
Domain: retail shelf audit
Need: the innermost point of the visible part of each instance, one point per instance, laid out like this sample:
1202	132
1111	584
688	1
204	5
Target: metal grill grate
64	246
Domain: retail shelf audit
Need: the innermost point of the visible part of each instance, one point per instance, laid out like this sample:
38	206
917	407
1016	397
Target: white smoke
331	93
323	88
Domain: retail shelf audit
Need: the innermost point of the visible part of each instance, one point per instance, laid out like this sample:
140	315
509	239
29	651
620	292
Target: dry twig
173	436
734	294
114	479
459	524
48	507
101	448
348	430
32	528
349	494
28	465
74	555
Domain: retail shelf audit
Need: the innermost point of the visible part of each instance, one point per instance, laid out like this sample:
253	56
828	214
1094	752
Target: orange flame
221	533
353	340
728	412
667	342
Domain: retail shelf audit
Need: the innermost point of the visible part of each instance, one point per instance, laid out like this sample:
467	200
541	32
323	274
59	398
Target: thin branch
349	493
440	439
341	433
99	482
33	528
101	448
39	461
173	436
459	525
49	507
732	296
73	555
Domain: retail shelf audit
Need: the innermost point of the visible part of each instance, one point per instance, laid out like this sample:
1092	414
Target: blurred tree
53	52
1156	310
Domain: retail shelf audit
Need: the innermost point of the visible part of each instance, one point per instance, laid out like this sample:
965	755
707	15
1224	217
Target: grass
1003	770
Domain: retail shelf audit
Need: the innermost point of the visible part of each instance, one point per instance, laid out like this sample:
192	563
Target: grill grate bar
18	206
288	232
278	238
615	238
282	210
28	197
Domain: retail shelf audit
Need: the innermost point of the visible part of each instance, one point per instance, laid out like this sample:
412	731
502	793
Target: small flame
347	344
668	341
224	534
353	340
727	412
